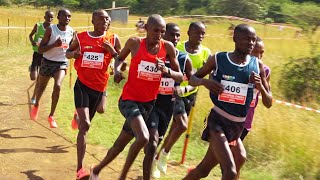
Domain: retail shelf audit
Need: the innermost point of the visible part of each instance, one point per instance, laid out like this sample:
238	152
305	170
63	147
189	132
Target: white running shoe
162	163
155	173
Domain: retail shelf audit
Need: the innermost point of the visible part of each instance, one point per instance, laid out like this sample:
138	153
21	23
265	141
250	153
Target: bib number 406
232	89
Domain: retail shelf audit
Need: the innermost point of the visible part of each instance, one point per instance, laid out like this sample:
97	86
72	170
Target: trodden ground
30	149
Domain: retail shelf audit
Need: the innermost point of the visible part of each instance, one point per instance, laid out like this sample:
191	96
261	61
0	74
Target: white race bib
148	71
166	86
92	60
235	93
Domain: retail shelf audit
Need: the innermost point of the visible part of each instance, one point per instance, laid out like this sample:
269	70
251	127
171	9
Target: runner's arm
189	72
265	88
43	47
173	72
73	50
197	79
128	47
117	44
34	30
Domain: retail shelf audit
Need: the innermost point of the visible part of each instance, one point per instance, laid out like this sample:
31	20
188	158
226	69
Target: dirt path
31	150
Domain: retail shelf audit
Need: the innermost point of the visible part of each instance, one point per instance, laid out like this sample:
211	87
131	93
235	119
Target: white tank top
58	54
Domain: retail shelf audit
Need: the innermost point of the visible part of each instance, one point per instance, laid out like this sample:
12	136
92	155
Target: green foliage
300	79
252	9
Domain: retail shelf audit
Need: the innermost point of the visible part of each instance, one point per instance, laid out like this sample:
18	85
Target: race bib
235	93
39	41
148	71
255	93
92	60
166	86
64	45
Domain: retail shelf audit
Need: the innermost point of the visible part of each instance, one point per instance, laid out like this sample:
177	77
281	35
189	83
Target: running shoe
52	122
74	121
34	112
163	159
155	173
82	174
33	101
92	175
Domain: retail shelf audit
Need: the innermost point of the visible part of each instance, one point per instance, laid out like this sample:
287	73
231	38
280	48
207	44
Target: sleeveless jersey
93	63
58	54
197	59
238	91
38	36
254	102
167	84
144	78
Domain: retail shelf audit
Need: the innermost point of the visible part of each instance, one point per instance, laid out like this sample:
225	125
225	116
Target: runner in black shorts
49	68
225	122
161	114
140	91
86	97
38	33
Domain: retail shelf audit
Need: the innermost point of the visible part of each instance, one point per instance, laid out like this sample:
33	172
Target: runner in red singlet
140	91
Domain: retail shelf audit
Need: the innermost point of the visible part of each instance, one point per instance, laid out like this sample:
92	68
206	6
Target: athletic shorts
36	61
244	134
184	104
216	122
49	68
86	97
131	109
161	114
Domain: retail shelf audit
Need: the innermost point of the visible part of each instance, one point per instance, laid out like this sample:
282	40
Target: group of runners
162	84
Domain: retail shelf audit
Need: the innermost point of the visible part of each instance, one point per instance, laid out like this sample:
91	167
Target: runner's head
48	16
244	37
155	27
64	17
196	32
258	49
172	33
100	20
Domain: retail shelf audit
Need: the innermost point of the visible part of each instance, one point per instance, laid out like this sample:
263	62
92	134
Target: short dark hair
258	39
170	26
62	10
195	25
241	28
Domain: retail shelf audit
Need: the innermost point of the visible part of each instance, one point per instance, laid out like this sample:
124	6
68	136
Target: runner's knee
229	172
84	126
142	139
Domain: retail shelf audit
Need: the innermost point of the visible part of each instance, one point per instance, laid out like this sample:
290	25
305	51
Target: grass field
284	143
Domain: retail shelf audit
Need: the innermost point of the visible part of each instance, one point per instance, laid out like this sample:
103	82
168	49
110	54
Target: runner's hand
178	90
118	76
76	53
108	47
256	79
58	42
34	43
161	66
214	87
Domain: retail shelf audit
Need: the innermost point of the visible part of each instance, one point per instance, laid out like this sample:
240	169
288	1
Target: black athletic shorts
161	114
131	109
49	68
86	97
36	61
184	104
216	122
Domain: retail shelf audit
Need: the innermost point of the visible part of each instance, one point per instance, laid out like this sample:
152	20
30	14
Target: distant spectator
140	25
